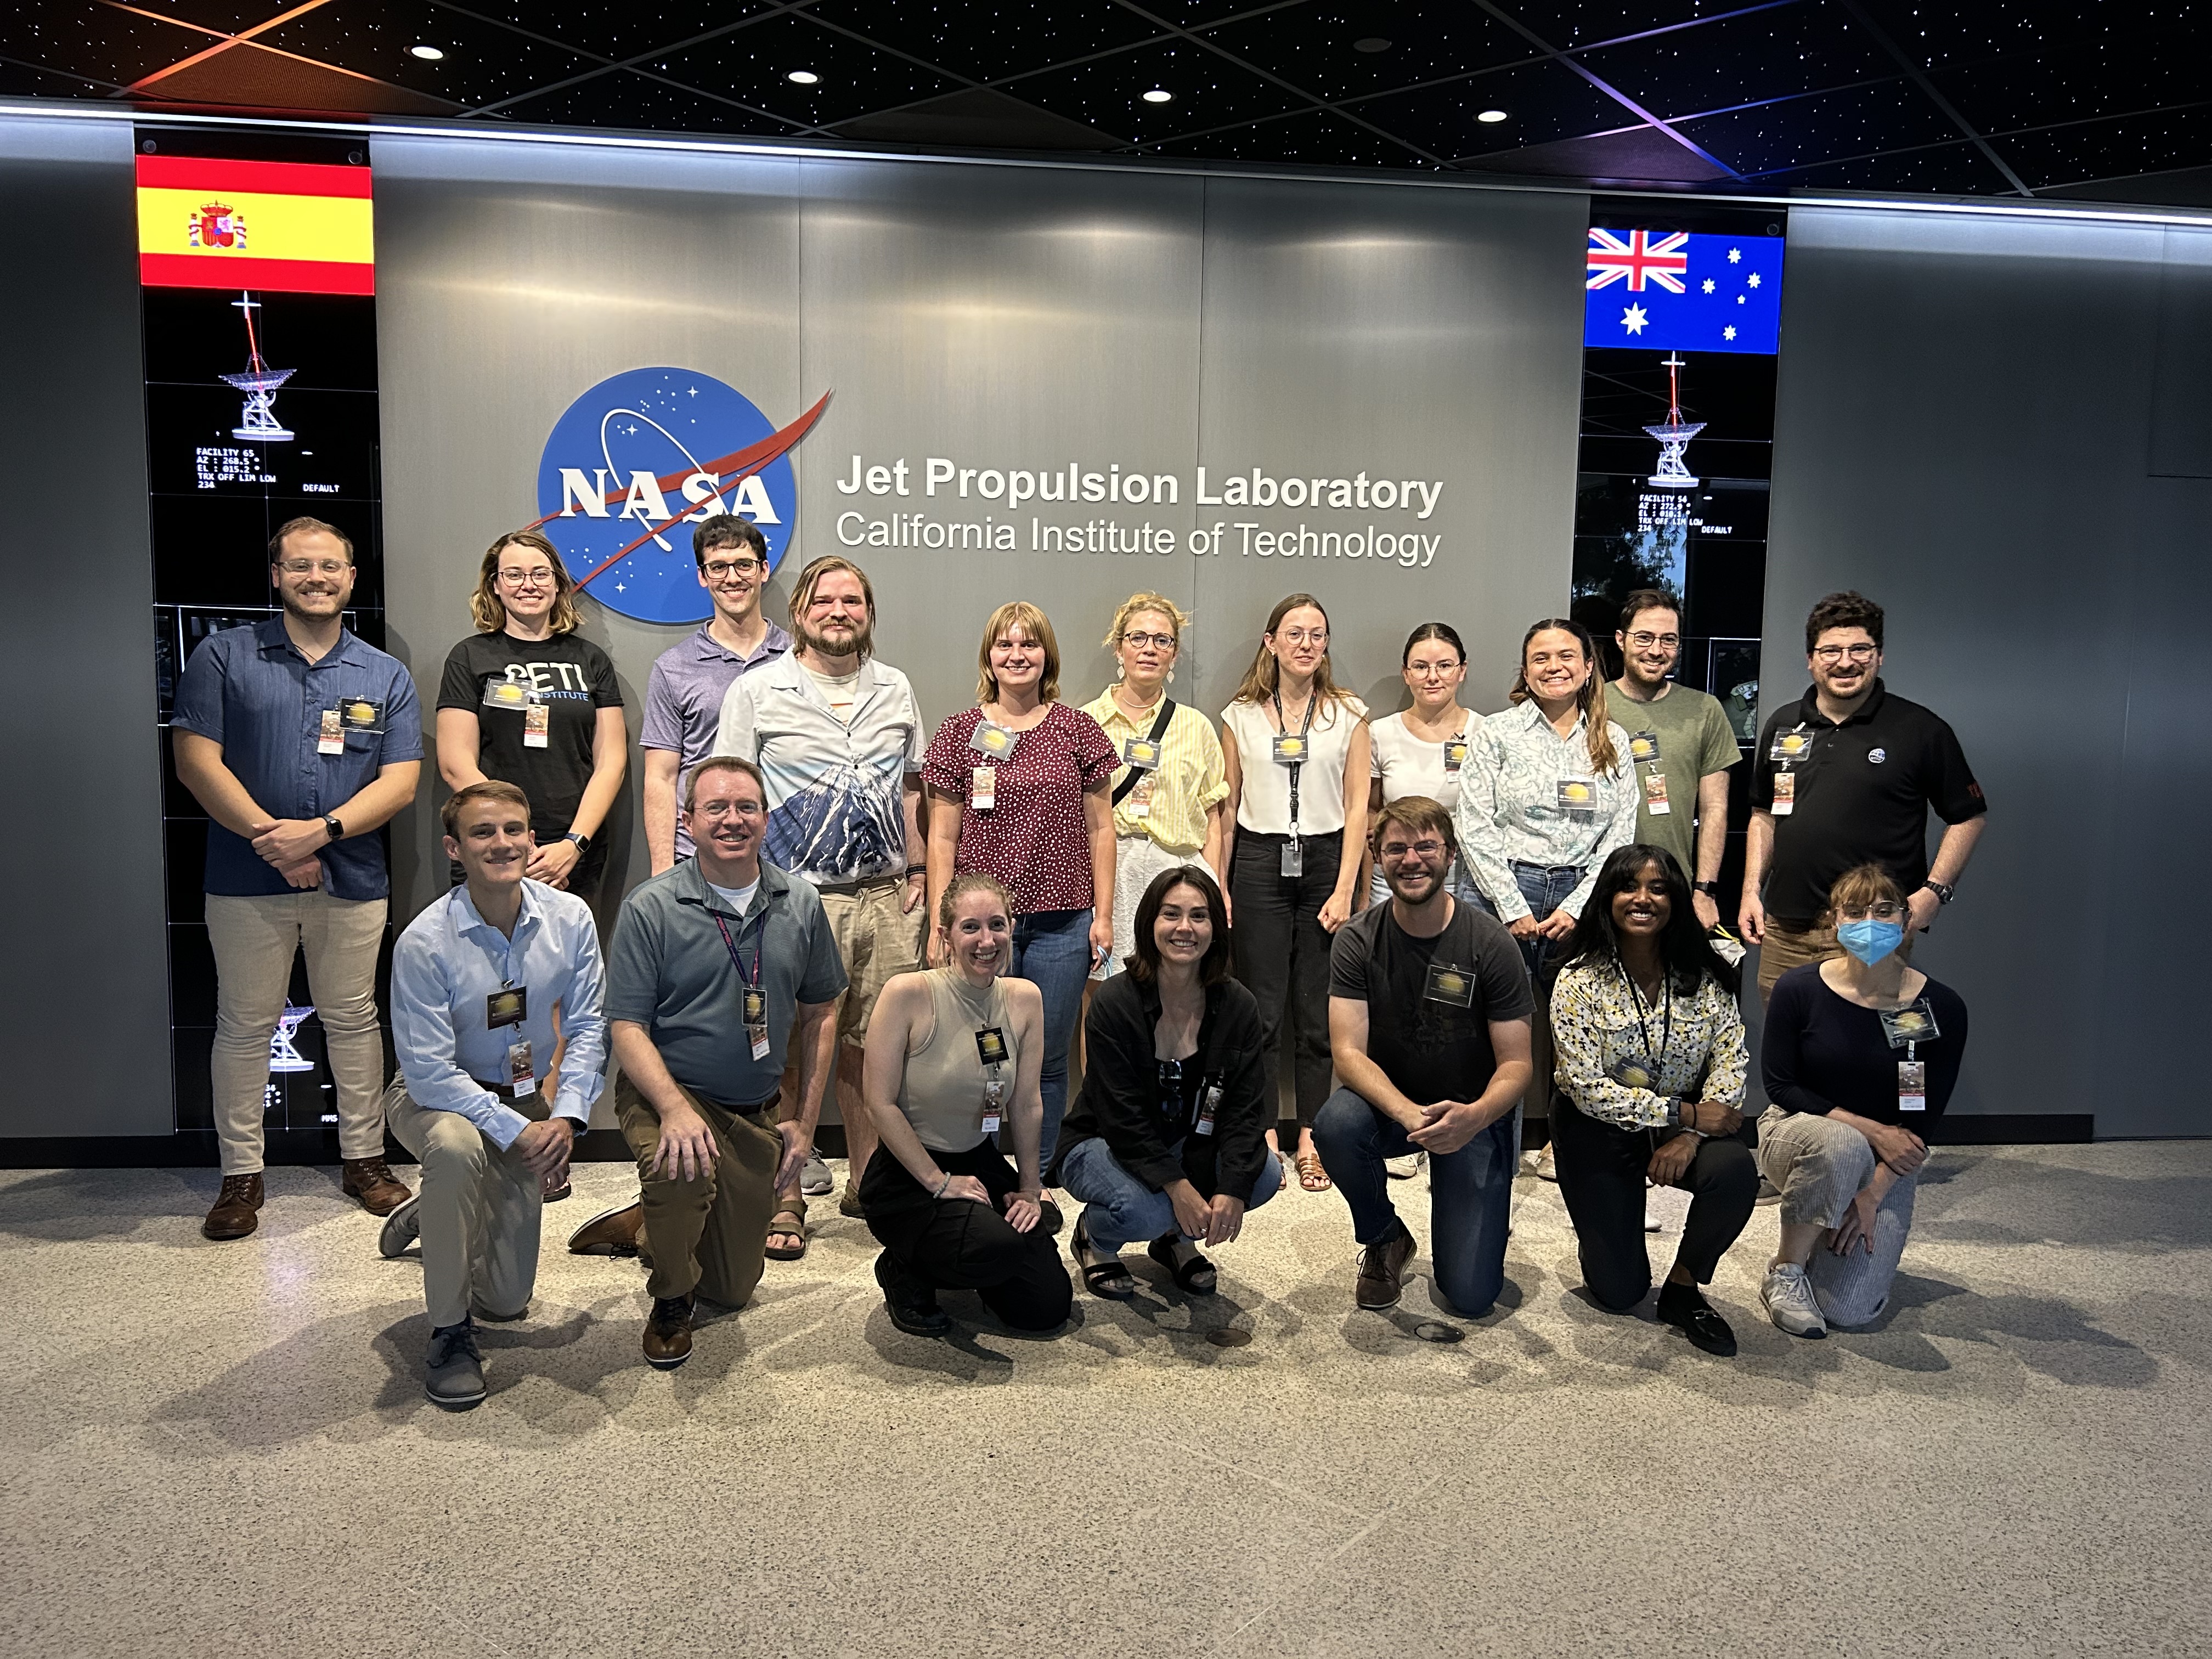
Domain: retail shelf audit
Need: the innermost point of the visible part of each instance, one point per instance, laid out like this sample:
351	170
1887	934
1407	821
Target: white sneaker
1405	1168
814	1177
1787	1296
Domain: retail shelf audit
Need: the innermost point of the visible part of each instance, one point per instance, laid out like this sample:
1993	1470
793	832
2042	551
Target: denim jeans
1120	1209
1542	887
1470	1192
1052	950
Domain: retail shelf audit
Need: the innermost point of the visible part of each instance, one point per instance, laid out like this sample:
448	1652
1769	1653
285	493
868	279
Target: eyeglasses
529	579
715	810
1303	636
1157	642
1392	851
1883	912
1645	642
720	570
313	567
1838	653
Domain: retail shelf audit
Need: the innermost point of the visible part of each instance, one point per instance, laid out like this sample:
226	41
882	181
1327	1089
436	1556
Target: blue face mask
1870	940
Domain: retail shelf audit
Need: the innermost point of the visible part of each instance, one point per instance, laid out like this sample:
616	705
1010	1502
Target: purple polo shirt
684	699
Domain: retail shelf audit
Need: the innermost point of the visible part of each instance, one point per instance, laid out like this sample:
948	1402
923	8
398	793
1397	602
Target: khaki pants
709	1235
1784	948
1820	1166
254	938
479	1214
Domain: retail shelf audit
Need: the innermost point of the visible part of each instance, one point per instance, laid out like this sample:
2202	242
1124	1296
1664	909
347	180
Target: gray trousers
479	1214
1821	1165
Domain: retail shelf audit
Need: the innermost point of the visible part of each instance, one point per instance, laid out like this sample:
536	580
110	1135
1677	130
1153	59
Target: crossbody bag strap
1159	730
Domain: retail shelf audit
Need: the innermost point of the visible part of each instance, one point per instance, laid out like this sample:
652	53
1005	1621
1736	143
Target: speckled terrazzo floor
224	1449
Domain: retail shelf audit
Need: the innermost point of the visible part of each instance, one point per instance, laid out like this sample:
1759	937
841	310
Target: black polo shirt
1864	789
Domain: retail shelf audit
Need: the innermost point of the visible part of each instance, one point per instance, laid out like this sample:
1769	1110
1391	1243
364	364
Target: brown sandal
1312	1176
789	1221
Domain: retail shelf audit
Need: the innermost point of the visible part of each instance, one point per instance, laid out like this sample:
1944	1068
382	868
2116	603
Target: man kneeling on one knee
1429	1013
478	980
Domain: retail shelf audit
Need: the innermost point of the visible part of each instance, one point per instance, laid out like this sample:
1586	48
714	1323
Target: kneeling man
717	965
478	980
1429	1015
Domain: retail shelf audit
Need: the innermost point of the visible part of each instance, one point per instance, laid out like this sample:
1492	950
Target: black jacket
1119	1102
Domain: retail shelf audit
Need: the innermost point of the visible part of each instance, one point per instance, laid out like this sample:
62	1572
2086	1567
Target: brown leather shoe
610	1232
369	1181
1382	1272
237	1208
668	1333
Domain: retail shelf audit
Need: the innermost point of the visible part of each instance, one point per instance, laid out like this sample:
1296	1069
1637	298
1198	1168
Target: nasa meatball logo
642	457
1877	756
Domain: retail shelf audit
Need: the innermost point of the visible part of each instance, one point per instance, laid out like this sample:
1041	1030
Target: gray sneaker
452	1371
815	1178
402	1228
1787	1296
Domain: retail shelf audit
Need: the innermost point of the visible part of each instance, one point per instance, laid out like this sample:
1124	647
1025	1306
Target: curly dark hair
1844	610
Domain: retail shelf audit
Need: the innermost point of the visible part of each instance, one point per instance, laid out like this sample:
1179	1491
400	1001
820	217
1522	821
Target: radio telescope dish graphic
1674	434
259	422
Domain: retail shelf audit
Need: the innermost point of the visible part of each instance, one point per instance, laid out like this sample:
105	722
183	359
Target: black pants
1601	1171
1282	956
958	1244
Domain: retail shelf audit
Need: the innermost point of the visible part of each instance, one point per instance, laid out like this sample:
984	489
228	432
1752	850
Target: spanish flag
281	226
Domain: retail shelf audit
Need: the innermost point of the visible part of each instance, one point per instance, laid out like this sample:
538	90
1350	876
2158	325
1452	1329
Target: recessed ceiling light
427	54
1372	43
1493	116
802	77
1159	95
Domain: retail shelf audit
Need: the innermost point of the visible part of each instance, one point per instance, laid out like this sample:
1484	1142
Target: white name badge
330	741
1655	794
983	788
1785	794
537	725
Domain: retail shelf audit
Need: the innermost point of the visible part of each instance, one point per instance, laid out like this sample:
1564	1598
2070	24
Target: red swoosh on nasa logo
735	468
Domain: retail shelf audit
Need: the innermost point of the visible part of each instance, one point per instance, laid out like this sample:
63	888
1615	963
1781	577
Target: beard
858	643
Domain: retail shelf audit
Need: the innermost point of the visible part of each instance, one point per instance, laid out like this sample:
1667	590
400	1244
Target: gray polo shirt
684	699
670	971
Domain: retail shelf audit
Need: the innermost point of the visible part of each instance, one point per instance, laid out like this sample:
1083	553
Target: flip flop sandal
1312	1176
788	1221
1102	1275
1195	1275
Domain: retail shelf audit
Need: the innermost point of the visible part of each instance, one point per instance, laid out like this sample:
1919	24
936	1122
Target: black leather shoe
1685	1309
913	1307
1383	1272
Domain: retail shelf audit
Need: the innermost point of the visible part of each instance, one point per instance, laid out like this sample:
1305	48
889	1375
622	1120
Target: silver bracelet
942	1185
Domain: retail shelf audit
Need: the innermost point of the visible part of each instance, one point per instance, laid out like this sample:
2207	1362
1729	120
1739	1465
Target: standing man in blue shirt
301	742
476	981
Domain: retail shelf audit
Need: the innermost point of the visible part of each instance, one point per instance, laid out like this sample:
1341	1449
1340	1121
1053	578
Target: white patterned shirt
1622	1070
1510	805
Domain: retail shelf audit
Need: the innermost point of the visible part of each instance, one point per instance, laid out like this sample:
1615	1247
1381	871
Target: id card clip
1294	857
519	1073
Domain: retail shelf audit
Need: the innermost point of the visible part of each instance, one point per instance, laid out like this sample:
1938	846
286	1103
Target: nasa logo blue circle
1877	756
634	463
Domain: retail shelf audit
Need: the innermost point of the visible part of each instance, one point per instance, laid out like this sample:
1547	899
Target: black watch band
1709	889
333	827
1943	890
581	840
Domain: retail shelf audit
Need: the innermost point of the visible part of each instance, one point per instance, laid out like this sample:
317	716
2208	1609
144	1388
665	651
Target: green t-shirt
1694	741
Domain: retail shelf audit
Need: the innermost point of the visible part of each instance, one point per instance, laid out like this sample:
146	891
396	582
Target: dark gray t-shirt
1428	1045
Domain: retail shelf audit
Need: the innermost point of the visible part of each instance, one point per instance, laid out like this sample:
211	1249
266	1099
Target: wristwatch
1943	890
581	840
1709	889
333	828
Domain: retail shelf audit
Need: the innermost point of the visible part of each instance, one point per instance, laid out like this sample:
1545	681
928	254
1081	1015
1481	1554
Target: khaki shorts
876	938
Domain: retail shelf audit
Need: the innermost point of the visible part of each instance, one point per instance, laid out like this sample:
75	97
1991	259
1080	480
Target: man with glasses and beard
839	738
1845	776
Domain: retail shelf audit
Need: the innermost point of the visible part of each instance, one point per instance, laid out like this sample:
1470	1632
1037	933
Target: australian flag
1683	290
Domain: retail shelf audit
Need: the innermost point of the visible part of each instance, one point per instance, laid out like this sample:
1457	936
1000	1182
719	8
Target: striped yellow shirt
1192	776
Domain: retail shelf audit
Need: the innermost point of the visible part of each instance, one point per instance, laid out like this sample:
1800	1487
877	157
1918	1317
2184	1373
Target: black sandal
1109	1277
1196	1276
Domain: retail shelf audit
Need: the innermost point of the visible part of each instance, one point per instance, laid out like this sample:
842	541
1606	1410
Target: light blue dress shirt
451	959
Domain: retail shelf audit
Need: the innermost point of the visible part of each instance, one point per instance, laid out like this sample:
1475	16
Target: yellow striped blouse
1191	778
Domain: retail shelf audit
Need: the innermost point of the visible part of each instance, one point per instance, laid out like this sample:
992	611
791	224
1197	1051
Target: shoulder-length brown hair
1017	613
1261	677
1142	961
1591	700
484	606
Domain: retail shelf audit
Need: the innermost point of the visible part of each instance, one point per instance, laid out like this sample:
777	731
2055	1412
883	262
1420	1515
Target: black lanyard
1666	1022
1313	697
731	944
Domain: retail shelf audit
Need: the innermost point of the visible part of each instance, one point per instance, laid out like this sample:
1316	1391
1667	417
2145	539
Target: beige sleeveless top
942	1095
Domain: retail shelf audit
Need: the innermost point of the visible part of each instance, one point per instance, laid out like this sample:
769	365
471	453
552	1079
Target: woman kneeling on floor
954	1055
1858	1051
1167	1141
1649	1079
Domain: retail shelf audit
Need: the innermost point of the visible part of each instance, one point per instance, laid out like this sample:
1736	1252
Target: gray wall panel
1962	433
84	990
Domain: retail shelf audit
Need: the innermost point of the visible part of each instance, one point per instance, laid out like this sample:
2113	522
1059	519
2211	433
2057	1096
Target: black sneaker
1683	1307
913	1307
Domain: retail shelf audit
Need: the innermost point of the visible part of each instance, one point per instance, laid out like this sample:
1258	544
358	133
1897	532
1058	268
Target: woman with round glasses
529	702
1423	750
1860	1054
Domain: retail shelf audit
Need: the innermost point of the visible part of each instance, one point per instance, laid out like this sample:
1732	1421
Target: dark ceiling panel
228	16
484	62
991	39
20	80
2072	83
99	41
750	66
1742	60
1937	36
1957	169
617	30
1314	46
1210	92
1318	139
1542	102
2110	150
1572	23
1896	115
619	99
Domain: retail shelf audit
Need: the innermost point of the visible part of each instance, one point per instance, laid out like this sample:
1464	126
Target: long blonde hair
491	615
1591	699
1017	613
1265	674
